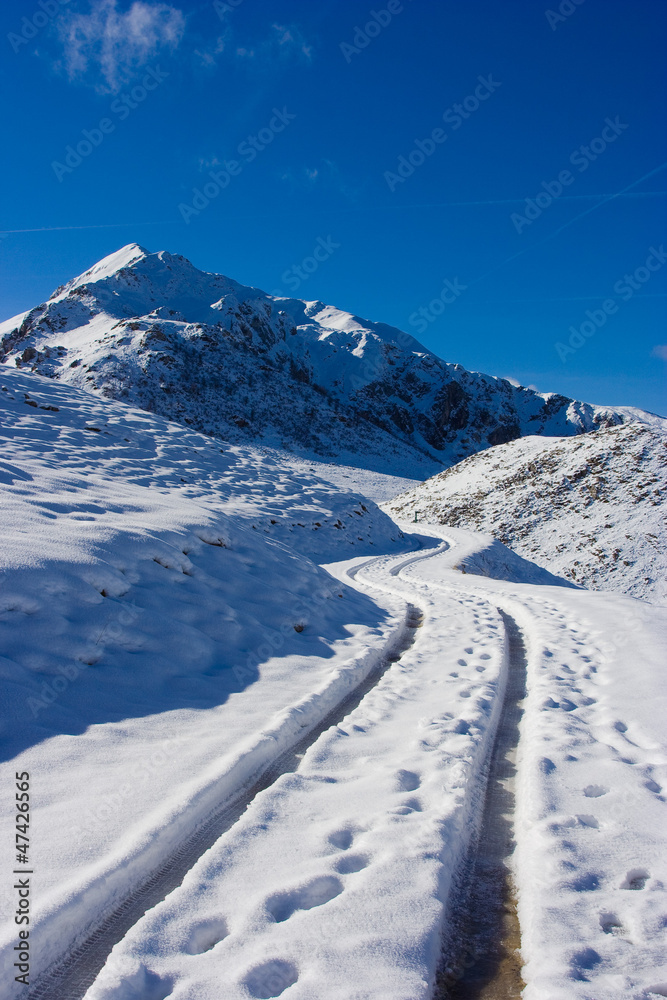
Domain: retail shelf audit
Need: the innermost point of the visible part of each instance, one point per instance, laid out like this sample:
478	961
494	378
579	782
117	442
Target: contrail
517	201
566	225
104	225
574	298
601	198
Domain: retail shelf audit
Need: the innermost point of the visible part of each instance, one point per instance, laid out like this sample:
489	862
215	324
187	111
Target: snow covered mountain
590	508
231	361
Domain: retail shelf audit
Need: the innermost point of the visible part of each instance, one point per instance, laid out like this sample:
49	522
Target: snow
589	508
108	266
591	859
335	874
147	589
591	818
7	325
332	883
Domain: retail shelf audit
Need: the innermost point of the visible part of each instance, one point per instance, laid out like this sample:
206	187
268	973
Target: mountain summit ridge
235	362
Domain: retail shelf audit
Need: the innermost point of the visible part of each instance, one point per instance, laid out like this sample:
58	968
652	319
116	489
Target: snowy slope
162	627
230	360
590	508
220	643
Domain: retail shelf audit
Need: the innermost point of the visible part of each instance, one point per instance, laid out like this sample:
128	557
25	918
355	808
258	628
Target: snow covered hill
590	508
226	359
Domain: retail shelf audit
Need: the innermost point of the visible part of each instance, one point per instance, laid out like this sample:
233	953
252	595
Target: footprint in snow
144	984
658	989
586	959
341	839
205	935
270	979
407	781
595	791
350	863
410	806
586	882
315	893
589	821
635	879
610	923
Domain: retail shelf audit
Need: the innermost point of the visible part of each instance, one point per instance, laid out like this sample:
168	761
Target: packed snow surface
590	508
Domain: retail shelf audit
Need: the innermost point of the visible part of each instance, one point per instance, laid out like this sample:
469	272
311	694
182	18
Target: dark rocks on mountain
232	361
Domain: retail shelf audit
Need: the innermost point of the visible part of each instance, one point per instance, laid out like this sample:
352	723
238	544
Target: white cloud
326	175
108	46
291	40
302	177
205	163
277	45
284	42
660	351
519	385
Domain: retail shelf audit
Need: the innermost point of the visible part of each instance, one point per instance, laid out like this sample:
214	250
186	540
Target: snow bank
164	632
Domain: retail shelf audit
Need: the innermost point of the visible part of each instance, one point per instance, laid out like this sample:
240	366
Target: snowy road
392	705
339	873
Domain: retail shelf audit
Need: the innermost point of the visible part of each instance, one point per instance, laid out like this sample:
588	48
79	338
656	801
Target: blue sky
375	156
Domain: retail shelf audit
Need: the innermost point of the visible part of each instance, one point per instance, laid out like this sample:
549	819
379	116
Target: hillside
591	508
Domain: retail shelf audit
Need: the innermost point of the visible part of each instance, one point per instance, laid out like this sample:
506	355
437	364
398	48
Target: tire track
78	970
482	959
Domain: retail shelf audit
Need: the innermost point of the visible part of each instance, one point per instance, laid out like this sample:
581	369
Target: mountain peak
237	363
113	262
